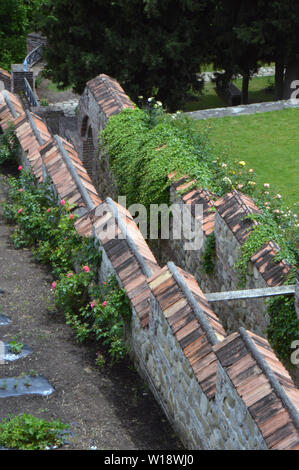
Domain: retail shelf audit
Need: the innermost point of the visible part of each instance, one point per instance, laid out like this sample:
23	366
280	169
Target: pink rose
20	190
49	210
93	303
104	303
86	269
53	285
69	274
71	216
20	210
62	202
20	167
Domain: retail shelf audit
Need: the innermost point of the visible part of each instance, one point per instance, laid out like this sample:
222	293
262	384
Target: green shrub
208	255
144	147
8	146
94	312
26	432
46	225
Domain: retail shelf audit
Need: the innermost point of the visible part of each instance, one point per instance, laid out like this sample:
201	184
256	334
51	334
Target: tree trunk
279	78
245	85
292	74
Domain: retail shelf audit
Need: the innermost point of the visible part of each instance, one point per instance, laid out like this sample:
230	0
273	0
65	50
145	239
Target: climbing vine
144	150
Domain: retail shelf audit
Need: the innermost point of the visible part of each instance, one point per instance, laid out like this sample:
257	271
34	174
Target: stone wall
34	40
101	98
17	78
218	391
230	233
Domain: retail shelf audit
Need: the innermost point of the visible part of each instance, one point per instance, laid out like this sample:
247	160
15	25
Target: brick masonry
17	78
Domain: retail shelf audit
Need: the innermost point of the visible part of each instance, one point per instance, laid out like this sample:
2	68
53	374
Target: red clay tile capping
32	133
273	272
10	108
67	173
196	196
4	73
83	225
128	253
233	208
264	385
5	77
109	95
192	322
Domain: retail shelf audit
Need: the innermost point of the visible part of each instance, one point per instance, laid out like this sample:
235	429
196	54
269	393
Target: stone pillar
17	78
297	294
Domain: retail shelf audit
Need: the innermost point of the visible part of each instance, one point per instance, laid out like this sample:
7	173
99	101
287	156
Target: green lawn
259	91
267	142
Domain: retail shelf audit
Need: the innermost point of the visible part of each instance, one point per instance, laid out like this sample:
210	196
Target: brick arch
84	126
88	149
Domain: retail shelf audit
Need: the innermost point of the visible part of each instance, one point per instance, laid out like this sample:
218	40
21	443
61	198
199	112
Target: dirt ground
54	96
110	408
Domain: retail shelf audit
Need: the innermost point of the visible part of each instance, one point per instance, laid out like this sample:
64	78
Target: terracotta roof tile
196	196
233	208
5	73
273	272
173	298
10	108
128	253
32	132
244	357
109	95
55	159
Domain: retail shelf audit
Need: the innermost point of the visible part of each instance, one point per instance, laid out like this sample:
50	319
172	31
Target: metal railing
33	57
30	95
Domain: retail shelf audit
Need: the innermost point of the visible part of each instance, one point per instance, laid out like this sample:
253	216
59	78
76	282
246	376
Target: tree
150	47
230	52
15	23
273	30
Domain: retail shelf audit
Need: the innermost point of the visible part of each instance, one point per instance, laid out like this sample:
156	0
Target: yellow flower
242	163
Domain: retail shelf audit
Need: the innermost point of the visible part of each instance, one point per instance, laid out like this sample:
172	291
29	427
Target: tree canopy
150	47
155	47
15	23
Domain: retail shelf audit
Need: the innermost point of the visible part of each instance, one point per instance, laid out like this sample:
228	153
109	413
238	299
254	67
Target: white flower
159	103
150	99
224	165
267	185
226	180
278	196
